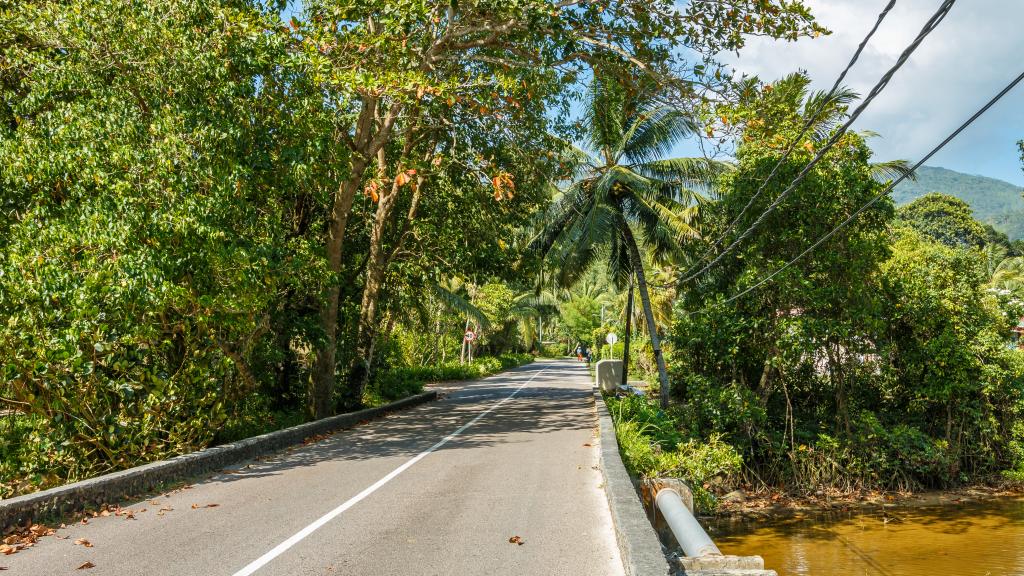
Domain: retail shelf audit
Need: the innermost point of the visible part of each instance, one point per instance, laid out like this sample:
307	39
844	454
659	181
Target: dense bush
653	445
881	360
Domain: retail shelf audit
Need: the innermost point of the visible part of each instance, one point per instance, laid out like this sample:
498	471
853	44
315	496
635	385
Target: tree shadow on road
541	407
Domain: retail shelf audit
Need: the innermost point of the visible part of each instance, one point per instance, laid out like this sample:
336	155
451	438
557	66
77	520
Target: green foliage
945	219
398	383
652	445
172	175
879	361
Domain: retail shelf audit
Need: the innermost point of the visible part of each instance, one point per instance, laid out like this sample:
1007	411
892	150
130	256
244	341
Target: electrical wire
928	28
807	125
1013	84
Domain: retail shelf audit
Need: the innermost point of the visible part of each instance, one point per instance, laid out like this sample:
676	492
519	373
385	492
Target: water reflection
979	538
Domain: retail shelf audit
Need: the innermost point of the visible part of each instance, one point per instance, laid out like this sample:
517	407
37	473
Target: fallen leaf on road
516	540
62	537
84	542
86	565
154	502
7	549
40	530
316	438
3	567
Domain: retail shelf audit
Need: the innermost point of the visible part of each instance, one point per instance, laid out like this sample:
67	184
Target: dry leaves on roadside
83	542
316	438
197	506
86	565
25	539
516	540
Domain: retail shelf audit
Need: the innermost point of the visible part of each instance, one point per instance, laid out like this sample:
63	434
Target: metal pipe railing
688	532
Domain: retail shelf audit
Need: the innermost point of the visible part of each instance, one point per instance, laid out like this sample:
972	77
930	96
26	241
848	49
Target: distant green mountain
995	202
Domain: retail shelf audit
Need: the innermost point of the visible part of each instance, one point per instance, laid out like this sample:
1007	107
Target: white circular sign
470	335
611	338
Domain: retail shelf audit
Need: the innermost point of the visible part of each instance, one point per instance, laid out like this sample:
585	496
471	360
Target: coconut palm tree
627	196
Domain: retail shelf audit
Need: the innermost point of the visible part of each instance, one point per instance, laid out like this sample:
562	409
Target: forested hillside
995	202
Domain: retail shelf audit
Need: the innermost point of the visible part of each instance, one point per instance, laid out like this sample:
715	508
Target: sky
973	54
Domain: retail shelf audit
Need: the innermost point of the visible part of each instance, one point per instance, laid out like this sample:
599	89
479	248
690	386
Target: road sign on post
470	335
611	339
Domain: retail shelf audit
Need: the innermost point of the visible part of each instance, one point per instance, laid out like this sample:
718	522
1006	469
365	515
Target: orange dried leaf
83	542
86	566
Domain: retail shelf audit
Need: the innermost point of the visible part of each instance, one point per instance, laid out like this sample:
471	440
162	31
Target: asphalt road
438	489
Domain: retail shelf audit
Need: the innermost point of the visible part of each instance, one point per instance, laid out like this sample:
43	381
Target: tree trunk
628	334
371	134
326	358
376	268
645	300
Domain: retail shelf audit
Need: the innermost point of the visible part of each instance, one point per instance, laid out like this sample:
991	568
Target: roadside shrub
552	351
652	445
397	383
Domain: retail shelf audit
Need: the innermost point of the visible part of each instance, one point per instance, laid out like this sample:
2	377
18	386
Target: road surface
435	490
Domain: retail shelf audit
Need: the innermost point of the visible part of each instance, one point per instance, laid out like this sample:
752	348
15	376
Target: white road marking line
301	534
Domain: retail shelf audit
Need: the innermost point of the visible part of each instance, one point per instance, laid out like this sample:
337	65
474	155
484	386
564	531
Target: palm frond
456	303
891	170
654	133
687	175
605	115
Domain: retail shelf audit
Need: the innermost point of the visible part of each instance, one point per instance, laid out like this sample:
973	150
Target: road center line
301	534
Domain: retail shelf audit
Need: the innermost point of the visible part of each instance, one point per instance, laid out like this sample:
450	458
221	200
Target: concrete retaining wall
641	551
111	488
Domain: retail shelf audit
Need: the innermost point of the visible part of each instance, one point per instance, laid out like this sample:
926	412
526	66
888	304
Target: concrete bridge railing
669	506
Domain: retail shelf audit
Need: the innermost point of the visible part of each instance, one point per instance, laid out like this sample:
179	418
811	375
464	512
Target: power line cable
807	125
928	28
876	198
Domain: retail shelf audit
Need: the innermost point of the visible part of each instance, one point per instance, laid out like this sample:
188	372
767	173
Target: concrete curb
639	545
110	488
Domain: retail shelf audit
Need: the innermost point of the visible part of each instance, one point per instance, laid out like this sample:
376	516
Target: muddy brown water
981	538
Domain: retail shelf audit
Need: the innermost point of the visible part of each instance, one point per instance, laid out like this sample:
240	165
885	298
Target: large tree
628	197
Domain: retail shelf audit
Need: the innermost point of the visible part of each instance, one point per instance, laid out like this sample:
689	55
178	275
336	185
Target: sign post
611	339
468	338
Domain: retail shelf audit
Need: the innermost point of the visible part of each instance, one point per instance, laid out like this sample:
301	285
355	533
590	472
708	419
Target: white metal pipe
691	537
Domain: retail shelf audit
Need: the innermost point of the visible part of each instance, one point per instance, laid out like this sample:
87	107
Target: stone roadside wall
137	481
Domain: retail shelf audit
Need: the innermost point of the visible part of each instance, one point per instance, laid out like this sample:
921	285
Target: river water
984	538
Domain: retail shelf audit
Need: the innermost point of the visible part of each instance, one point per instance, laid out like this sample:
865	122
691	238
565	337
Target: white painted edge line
301	534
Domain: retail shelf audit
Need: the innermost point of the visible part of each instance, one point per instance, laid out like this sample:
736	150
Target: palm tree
627	196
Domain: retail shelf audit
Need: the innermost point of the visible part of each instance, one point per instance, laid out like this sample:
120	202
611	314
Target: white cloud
975	51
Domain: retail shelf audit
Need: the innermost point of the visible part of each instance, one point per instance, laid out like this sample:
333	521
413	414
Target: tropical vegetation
215	222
